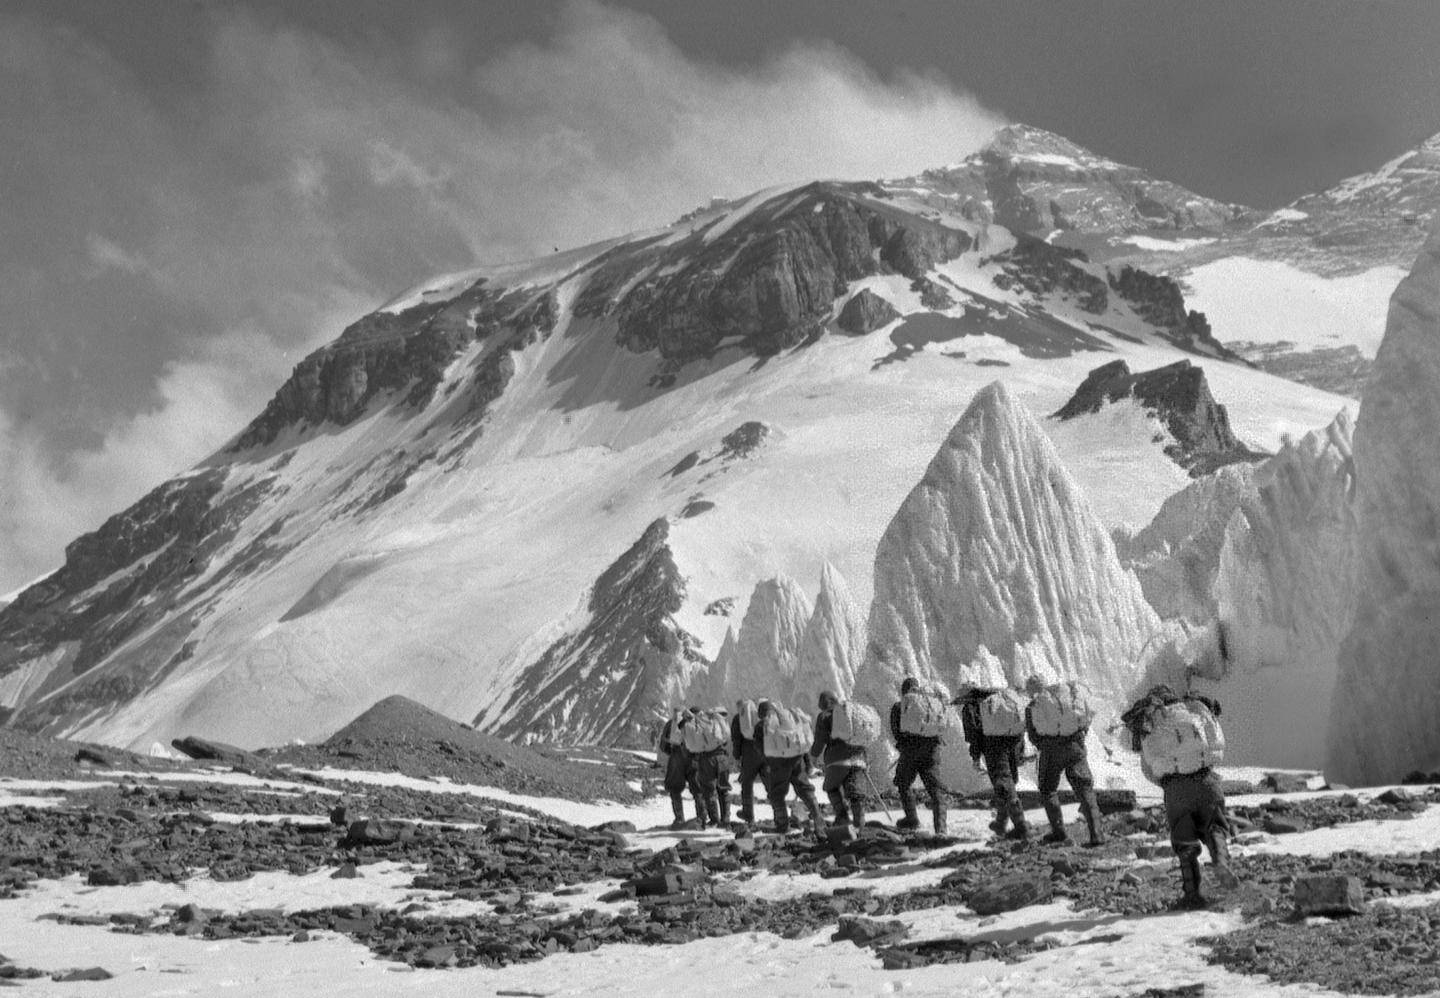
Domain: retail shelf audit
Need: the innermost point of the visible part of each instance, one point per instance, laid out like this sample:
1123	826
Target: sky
194	195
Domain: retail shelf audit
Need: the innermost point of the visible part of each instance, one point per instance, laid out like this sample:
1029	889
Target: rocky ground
491	882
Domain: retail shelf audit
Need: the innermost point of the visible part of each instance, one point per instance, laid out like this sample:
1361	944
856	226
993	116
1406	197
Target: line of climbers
1178	738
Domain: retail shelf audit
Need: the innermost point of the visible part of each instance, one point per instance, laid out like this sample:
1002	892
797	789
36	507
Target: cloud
175	249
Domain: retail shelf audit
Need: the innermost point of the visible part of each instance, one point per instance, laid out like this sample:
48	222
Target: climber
707	737
845	765
679	769
783	734
750	754
916	721
1180	741
1057	720
994	724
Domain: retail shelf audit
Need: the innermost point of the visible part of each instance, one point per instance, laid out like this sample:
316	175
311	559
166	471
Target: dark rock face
1180	396
1042	269
865	313
770	280
161	546
386	352
608	683
1158	300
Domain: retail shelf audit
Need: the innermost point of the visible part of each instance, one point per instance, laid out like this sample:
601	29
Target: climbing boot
817	823
747	807
857	814
1090	807
937	815
782	815
1220	860
1000	822
837	804
677	805
1021	831
712	812
911	819
1058	835
724	801
1190	896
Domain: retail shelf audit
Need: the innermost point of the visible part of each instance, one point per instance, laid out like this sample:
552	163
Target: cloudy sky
194	195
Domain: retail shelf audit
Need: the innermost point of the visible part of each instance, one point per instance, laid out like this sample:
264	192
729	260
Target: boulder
865	313
202	748
864	931
1329	894
1010	893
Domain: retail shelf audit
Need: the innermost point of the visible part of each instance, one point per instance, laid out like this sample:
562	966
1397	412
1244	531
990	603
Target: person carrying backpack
1180	740
679	770
748	751
707	735
917	752
781	732
845	764
1057	720
994	726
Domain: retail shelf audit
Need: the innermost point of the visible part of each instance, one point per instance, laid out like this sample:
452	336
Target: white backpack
1184	738
1061	709
1002	713
787	732
922	713
855	723
748	715
706	732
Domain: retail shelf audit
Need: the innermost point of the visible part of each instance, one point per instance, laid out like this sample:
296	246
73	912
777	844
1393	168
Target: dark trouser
1066	756
1002	764
842	786
712	777
680	775
1195	812
911	765
781	775
752	767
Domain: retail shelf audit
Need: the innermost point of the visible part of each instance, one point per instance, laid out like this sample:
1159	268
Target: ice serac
834	640
1263	560
996	556
767	651
609	682
1387	696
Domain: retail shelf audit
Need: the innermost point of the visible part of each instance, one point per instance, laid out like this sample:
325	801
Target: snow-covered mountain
542	495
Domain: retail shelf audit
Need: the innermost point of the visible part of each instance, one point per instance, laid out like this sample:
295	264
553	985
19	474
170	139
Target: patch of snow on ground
1264	301
1165	245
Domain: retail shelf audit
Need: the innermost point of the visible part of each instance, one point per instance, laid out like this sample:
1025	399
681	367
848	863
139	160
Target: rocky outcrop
122	581
1388	691
865	313
1039	268
608	682
1158	301
767	649
1180	396
388	352
834	641
767	276
996	554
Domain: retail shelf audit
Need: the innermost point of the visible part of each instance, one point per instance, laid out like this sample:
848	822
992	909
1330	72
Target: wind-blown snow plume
767	650
834	640
997	553
1388	692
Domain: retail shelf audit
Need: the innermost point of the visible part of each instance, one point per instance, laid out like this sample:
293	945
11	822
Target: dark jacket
914	746
833	750
746	749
